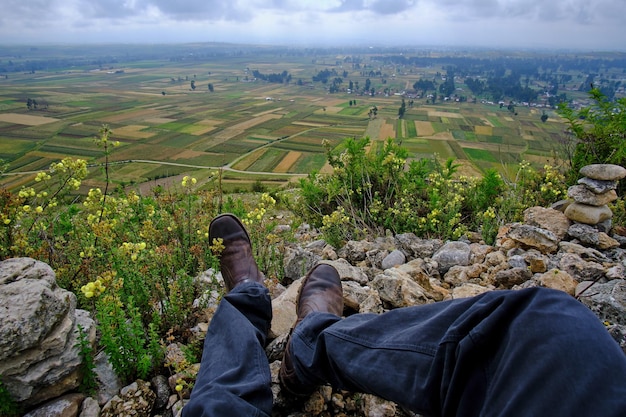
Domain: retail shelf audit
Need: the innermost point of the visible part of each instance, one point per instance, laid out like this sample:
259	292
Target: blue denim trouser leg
534	352
234	377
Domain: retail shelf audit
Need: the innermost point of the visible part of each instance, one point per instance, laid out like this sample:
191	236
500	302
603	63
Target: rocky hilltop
570	249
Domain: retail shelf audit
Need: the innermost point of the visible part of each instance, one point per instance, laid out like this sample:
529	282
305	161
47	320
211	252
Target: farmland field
190	113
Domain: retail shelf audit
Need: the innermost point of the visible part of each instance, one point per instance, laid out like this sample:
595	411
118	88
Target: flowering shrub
372	191
130	259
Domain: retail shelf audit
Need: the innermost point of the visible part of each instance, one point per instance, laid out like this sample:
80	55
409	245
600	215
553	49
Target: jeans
534	352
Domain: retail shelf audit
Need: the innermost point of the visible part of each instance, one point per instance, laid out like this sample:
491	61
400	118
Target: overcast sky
575	24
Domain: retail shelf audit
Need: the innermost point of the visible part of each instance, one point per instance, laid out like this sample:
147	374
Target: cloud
383	7
576	11
392	6
405	21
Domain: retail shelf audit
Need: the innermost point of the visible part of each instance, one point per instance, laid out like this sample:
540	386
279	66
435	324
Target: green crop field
184	116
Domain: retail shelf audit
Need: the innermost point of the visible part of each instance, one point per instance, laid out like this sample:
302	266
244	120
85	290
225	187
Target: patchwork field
254	130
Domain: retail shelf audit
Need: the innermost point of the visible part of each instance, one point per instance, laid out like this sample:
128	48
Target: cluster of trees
447	88
499	87
335	85
324	75
278	78
423	85
32	104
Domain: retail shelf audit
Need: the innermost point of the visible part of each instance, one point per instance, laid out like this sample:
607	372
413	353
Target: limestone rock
415	247
517	261
109	383
284	310
361	299
598	186
607	301
537	262
582	251
616	272
329	253
65	406
468	290
375	406
397	289
177	408
603	172
589	235
162	391
479	252
456	276
89	408
314	405
298	261
348	272
393	259
38	332
355	251
495	258
584	195
451	254
548	219
534	237
558	280
580	269
584	213
604	226
618	332
511	277
607	242
134	400
374	258
561	205
415	270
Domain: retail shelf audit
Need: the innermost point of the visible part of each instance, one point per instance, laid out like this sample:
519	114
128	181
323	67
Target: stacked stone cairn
592	195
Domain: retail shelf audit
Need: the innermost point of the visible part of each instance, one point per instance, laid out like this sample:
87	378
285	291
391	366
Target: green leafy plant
8	406
125	339
88	382
599	132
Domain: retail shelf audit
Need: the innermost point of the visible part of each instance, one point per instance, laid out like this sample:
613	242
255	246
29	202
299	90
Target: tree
544	117
210	87
448	87
402	109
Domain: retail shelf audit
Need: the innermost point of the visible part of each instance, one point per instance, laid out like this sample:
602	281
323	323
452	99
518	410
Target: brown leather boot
320	291
236	260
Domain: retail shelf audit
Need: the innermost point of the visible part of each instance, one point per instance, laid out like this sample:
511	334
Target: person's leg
534	352
234	376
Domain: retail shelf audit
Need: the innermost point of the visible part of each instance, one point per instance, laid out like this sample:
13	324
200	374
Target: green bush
371	191
599	133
